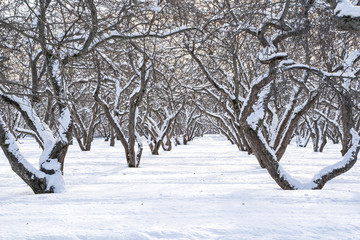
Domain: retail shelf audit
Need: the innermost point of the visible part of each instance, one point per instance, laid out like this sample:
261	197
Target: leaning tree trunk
284	180
49	177
38	181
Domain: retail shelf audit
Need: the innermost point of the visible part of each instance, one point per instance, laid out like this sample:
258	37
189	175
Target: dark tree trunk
347	121
266	159
185	141
156	147
36	180
315	137
112	138
323	143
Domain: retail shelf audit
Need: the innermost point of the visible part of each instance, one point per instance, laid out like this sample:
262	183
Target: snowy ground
206	190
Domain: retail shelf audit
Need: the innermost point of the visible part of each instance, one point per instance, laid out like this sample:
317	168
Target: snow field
205	190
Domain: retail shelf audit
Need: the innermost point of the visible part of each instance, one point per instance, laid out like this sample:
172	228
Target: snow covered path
206	190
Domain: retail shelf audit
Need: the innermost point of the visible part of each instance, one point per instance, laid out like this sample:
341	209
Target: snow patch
259	109
65	124
292	181
56	182
51	164
345	9
270	53
56	71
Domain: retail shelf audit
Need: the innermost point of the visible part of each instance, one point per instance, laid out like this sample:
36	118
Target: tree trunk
315	137
112	138
167	145
35	179
131	158
347	121
267	159
323	143
156	147
185	141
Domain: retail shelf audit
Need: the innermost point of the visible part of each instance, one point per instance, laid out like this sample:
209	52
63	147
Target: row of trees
258	72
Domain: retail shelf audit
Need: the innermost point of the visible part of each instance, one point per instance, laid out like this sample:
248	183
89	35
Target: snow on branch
269	54
346	73
91	35
284	11
65	123
345	9
259	109
220	117
39	181
9	146
32	119
334	122
340	167
347	15
351	59
210	77
136	35
279	170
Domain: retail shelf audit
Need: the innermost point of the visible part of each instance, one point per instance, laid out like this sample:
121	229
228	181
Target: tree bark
35	179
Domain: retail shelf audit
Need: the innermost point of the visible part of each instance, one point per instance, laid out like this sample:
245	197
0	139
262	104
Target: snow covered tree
133	39
192	123
164	102
255	115
158	127
86	113
346	14
130	85
248	93
53	34
84	132
260	72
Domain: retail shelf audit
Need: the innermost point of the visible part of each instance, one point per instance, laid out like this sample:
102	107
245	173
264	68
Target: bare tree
266	123
139	76
54	39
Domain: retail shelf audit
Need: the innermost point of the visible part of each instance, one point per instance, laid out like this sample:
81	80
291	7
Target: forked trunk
268	157
38	181
156	147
